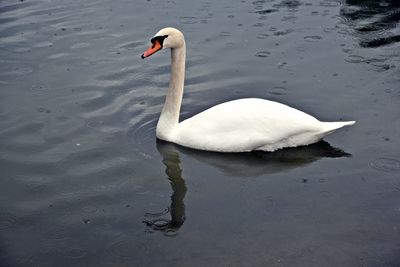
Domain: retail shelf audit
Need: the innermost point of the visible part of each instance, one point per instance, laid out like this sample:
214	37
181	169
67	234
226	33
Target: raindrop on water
385	164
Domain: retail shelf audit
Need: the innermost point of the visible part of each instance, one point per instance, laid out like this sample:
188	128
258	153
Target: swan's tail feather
330	127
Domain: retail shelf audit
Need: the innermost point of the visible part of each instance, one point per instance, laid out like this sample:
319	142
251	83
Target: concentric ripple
386	164
7	221
143	136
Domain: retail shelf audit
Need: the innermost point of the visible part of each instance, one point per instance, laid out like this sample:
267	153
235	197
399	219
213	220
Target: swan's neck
169	117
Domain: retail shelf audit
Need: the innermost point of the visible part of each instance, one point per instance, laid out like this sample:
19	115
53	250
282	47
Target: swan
241	125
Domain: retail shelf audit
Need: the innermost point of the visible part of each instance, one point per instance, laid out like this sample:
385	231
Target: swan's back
250	124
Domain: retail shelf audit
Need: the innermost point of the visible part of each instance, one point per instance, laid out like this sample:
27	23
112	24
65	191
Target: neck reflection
173	170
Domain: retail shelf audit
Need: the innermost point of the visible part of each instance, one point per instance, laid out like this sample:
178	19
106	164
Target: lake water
85	183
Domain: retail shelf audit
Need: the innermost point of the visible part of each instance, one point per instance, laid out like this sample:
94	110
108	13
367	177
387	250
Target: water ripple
278	90
386	164
76	253
312	38
142	136
58	233
262	36
266	11
127	249
7	221
188	20
263	54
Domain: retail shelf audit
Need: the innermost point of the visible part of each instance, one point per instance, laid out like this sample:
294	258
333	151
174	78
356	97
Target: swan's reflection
231	164
258	163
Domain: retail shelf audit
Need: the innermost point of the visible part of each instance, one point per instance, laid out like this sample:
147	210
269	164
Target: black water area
83	181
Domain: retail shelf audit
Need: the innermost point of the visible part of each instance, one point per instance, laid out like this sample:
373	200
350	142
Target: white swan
236	126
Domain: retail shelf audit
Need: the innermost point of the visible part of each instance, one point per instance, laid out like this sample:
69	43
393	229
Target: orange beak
152	49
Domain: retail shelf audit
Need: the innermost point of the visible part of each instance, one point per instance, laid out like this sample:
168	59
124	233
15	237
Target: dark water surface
84	182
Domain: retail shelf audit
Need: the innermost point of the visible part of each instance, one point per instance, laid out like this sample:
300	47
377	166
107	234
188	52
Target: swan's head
165	38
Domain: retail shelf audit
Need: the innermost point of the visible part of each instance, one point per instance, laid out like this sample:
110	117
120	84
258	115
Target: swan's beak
155	46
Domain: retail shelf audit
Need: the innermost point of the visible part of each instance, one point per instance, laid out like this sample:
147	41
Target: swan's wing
244	125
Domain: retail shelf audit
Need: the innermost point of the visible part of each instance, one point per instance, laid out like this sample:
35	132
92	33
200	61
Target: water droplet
262	36
94	123
127	249
158	214
79	45
35	186
258	24
58	55
113	136
20	71
354	59
188	20
40	89
263	54
90	209
43	44
281	65
225	34
170	232
284	32
266	11
76	253
22	49
312	38
278	90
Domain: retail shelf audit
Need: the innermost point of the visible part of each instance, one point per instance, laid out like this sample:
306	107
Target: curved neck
169	117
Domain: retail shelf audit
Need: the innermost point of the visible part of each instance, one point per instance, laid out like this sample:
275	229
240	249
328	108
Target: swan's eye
160	40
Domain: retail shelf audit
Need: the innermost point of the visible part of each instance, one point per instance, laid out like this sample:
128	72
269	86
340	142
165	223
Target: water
84	182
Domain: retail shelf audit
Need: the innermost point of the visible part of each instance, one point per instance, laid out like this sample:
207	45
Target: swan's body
235	126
